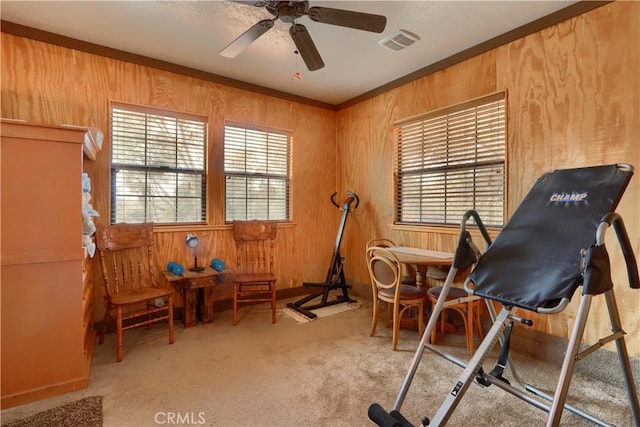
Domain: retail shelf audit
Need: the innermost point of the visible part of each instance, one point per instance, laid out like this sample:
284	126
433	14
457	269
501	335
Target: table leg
190	302
421	277
206	305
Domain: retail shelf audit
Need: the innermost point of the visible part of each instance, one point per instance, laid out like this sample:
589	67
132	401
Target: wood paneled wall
573	100
572	96
43	83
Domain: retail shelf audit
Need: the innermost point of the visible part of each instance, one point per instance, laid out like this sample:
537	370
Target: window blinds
450	161
157	168
256	165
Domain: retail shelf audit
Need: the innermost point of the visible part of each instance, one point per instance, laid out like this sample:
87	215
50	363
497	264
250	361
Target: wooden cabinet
47	334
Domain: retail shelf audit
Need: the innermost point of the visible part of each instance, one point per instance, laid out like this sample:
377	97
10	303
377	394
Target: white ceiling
191	33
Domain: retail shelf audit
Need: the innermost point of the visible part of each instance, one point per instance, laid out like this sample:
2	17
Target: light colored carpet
321	373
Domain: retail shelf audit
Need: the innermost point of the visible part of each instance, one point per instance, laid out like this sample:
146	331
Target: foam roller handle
379	416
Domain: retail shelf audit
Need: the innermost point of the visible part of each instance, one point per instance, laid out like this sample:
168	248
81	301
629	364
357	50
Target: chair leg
434	331
469	327
374	317
273	303
396	326
476	311
105	320
420	319
119	333
170	308
235	304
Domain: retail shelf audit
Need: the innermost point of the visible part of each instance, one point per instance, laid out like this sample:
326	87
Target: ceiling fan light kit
288	12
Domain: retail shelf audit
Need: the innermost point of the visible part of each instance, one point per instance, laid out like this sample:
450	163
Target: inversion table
552	245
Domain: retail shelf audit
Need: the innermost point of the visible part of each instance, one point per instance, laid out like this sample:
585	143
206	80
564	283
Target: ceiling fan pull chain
297	75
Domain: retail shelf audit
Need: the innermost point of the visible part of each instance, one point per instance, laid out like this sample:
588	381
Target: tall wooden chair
126	257
386	282
255	280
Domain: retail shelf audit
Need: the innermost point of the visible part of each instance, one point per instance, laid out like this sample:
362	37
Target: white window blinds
158	169
450	161
256	166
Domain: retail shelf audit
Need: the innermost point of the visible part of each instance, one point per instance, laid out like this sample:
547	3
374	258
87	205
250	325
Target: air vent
399	40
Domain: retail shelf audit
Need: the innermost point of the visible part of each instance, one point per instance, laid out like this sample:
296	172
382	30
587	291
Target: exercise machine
552	245
335	279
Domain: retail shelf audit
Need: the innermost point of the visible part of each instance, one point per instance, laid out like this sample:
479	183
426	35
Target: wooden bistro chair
459	301
255	280
386	282
126	258
408	278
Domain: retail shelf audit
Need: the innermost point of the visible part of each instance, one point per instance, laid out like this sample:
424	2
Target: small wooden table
421	259
196	289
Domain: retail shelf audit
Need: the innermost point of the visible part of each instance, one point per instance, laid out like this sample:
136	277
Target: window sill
205	227
444	229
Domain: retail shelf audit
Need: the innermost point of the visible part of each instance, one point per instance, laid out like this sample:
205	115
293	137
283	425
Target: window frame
285	177
203	173
430	170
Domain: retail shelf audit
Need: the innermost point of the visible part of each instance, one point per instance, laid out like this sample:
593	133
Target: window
449	161
158	169
256	168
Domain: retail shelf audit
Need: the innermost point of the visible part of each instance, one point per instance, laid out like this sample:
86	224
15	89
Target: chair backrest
380	242
384	268
126	256
255	244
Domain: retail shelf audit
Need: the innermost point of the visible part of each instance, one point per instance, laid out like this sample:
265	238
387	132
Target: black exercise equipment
335	279
552	246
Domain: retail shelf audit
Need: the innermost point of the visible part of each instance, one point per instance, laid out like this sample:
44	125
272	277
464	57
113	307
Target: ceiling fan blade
347	18
245	39
306	47
256	3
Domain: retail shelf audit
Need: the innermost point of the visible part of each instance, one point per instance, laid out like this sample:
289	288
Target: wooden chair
386	274
126	258
255	281
408	277
459	301
380	242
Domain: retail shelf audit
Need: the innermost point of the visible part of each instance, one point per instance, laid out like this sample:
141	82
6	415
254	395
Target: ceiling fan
289	12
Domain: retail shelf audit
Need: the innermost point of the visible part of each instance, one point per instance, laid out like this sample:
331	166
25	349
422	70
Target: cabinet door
41	200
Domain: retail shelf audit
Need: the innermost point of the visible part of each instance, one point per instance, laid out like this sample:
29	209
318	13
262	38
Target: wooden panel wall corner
573	100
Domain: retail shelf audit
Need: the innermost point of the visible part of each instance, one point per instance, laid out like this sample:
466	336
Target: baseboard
29	396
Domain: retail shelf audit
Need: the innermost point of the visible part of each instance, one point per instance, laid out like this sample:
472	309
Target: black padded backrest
536	258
